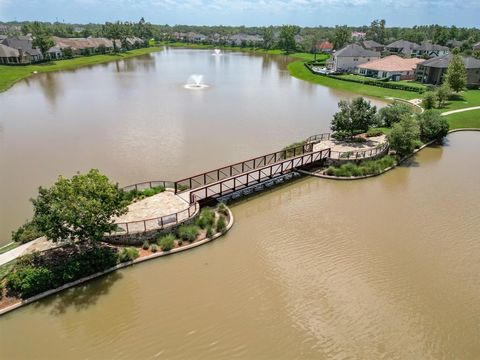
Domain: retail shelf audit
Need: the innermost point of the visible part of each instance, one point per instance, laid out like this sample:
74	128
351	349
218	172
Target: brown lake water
383	268
135	121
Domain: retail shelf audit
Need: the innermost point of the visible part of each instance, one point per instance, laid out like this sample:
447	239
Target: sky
464	13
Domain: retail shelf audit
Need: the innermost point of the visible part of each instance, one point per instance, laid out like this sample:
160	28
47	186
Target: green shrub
367	167
384	84
209	232
28	281
429	100
432	125
404	136
393	113
222	209
128	254
374	132
141	194
145	245
25	233
166	242
206	218
221	224
153	248
188	232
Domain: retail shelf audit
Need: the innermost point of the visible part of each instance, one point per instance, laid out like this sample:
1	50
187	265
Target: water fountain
217	52
195	82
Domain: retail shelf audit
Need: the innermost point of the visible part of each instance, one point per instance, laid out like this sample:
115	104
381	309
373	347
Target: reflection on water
134	120
383	268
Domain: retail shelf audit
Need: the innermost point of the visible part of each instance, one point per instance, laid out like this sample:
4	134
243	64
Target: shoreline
120	266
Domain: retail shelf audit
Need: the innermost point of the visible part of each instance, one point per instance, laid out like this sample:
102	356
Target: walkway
346	150
460	110
39	244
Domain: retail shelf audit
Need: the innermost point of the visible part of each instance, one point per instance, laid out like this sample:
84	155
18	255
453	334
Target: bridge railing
156	223
150	184
360	154
225	172
317	138
256	176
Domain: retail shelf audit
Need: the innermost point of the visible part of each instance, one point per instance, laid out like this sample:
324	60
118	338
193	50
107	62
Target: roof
353	50
476	46
369	44
325	45
7	51
18	43
82	43
430	47
402	44
392	63
442	62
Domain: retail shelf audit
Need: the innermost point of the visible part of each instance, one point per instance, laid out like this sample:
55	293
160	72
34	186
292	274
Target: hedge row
372	82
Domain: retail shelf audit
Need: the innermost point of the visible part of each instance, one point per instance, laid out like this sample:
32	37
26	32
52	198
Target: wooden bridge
248	176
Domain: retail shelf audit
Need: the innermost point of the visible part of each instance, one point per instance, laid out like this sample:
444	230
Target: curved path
460	110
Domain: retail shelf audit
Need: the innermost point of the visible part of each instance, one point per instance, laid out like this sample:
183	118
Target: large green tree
79	208
393	113
268	39
341	36
41	37
287	38
432	125
404	136
376	31
456	75
354	117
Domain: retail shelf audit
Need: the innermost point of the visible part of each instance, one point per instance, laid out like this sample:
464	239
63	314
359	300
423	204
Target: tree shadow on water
80	297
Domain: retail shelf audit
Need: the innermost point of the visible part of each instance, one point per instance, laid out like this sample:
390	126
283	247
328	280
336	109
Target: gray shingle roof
442	62
430	47
401	44
368	44
354	50
18	43
6	51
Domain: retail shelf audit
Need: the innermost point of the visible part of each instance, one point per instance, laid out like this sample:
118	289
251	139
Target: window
355	59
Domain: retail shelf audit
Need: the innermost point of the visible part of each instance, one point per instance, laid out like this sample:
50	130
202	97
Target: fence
149	185
317	138
158	223
361	154
257	176
225	172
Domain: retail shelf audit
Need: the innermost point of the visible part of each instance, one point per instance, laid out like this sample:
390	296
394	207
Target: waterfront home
372	45
27	53
429	50
401	47
325	47
87	46
392	67
348	58
244	39
55	52
454	43
476	46
9	55
432	71
357	35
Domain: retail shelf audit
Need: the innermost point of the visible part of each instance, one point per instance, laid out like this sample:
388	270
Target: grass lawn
467	119
468	98
9	247
298	70
9	75
5	268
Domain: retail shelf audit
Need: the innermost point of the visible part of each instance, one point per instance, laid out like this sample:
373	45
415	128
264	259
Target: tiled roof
325	45
354	50
392	63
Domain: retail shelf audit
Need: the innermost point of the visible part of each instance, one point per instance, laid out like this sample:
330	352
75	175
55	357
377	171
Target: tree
354	117
432	125
376	31
456	75
287	38
393	113
115	31
41	37
268	38
79	208
429	100
404	136
341	36
443	94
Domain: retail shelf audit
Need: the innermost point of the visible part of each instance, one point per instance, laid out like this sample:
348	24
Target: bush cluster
374	132
221	224
36	273
25	233
166	242
128	254
367	167
383	84
206	218
222	209
142	194
188	232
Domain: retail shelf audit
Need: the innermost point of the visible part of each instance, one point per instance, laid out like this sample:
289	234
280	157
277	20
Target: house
9	55
401	47
476	46
239	39
372	45
55	52
27	53
429	50
348	58
325	47
393	67
432	71
454	44
356	35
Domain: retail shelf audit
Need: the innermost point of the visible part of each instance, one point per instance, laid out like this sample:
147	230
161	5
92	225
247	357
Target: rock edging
118	267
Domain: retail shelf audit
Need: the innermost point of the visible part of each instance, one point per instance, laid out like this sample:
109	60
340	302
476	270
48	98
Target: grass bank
469	98
467	119
9	75
298	70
